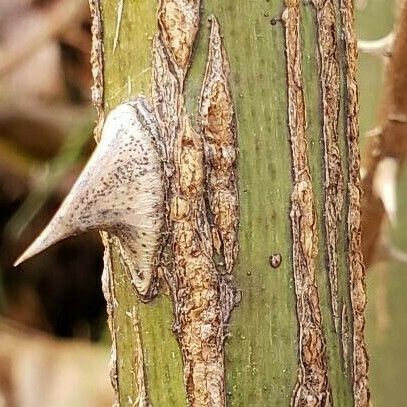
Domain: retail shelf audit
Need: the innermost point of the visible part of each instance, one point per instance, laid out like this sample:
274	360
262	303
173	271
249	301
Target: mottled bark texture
290	184
201	306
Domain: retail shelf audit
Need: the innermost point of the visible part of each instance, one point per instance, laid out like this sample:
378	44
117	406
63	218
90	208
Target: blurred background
46	122
52	309
386	328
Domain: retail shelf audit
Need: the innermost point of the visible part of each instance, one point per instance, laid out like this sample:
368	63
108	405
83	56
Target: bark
261	291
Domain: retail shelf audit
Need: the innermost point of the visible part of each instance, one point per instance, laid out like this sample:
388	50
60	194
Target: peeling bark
219	129
312	387
199	324
202	298
202	218
178	22
355	259
334	188
96	60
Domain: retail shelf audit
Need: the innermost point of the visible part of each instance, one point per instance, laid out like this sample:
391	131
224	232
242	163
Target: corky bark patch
312	387
96	60
334	185
203	298
199	324
167	96
178	21
355	260
219	129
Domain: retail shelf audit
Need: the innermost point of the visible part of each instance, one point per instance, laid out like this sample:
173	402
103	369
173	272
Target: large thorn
385	186
120	190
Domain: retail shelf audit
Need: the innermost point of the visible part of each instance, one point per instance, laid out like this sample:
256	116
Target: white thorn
385	186
120	190
380	47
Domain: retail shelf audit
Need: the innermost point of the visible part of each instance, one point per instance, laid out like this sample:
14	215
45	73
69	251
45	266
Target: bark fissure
202	212
355	259
219	129
96	60
202	297
334	185
312	387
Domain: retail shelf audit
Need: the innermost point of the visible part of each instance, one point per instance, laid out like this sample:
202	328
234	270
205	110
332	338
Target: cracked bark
296	334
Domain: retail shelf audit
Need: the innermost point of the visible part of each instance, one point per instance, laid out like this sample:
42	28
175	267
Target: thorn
385	186
120	190
381	47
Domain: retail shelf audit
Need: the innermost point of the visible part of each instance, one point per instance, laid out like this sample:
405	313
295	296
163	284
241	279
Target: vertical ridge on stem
312	387
355	259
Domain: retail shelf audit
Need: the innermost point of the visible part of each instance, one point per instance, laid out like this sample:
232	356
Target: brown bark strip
334	188
390	143
167	97
197	298
346	338
355	259
219	129
202	300
178	22
312	387
96	60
